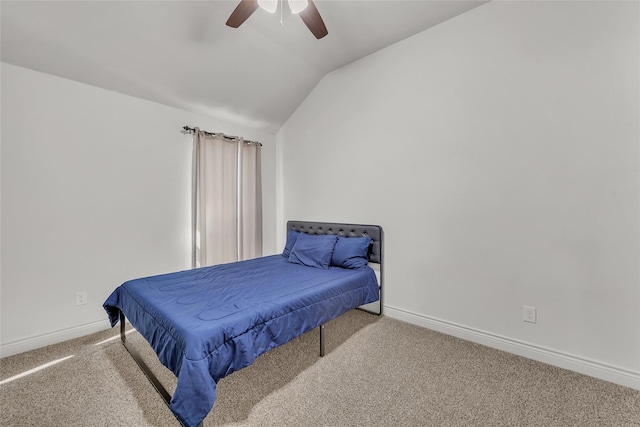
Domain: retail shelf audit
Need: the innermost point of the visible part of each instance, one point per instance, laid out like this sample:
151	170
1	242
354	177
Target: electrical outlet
81	298
529	314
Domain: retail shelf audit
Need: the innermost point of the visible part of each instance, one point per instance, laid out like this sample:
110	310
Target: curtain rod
192	130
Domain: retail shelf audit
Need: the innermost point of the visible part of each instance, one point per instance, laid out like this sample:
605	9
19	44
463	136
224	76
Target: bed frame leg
138	359
321	340
123	337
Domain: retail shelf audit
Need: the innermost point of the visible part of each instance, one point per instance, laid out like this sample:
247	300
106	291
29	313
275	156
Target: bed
206	323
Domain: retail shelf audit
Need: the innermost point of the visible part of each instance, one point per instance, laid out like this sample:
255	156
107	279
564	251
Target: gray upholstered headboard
348	230
376	250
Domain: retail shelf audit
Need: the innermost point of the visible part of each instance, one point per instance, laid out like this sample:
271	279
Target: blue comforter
209	322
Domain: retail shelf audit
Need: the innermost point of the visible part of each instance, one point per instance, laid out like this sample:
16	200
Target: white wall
96	190
500	152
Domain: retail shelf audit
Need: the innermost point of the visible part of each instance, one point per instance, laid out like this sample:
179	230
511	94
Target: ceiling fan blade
312	19
242	12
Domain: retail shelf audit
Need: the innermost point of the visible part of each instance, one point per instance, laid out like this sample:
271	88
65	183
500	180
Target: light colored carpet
377	372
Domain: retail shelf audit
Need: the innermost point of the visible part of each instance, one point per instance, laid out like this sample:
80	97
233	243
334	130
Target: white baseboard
552	357
31	343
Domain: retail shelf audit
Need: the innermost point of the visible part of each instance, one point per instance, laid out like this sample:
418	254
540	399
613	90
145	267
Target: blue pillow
313	250
351	252
292	236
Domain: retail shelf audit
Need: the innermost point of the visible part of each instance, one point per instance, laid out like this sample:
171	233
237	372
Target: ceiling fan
305	8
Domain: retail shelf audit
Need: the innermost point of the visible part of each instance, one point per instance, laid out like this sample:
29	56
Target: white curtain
227	199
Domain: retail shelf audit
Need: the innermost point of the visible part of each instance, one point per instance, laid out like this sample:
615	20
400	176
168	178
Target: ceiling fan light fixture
269	5
306	9
297	6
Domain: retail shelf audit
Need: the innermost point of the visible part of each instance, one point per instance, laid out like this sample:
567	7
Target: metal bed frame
151	376
376	254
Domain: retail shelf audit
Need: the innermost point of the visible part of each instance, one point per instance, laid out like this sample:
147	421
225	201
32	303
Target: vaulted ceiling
181	53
